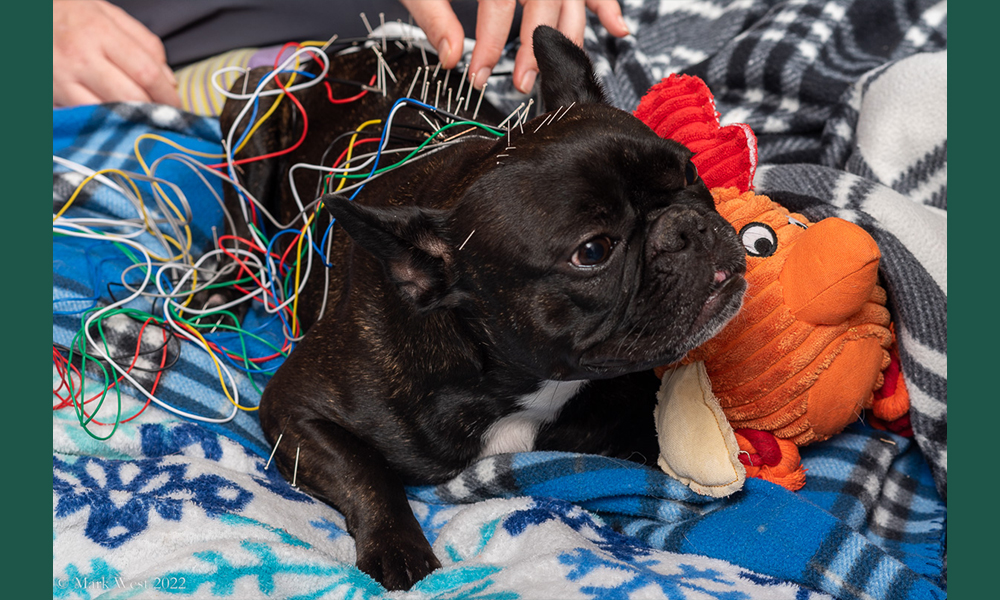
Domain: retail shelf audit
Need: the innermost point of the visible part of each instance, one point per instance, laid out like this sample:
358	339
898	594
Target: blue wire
275	275
256	105
298	72
246	130
381	142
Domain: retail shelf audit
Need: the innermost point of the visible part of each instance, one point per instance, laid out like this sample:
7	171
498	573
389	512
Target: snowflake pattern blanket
847	99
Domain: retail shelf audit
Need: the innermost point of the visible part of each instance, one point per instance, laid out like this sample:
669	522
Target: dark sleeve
193	30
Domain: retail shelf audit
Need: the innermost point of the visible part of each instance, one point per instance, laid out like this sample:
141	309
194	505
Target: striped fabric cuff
194	82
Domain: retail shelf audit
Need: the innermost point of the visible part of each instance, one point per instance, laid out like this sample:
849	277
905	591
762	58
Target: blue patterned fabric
168	507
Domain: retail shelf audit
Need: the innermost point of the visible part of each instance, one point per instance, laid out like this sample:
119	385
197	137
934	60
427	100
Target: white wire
87	172
86	233
192	268
228	145
79	227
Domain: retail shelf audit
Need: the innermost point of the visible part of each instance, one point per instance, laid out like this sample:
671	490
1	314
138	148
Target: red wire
243	267
305	127
226	351
261	359
62	367
295	240
250	243
259	299
135	358
329	93
159	373
281	264
357	143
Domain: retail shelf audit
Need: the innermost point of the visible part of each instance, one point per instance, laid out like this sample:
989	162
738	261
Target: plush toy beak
830	272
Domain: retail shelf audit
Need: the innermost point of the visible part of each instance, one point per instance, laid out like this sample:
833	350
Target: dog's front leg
345	472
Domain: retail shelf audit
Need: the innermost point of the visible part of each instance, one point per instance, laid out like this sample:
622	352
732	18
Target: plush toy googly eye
759	239
794	221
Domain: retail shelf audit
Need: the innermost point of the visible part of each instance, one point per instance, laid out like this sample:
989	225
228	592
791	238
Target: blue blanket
171	507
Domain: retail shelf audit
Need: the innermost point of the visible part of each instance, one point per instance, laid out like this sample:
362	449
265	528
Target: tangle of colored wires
268	267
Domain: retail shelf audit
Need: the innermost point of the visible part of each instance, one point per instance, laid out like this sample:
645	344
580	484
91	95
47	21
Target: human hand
493	22
101	54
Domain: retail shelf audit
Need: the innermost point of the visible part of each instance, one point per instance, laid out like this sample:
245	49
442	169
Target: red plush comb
682	108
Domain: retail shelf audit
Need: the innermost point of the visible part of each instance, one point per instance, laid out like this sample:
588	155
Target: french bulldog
499	294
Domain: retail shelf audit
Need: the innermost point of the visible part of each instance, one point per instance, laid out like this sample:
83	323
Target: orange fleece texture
807	350
812	347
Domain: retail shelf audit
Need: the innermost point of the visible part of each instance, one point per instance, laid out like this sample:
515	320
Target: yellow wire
163	194
169	142
298	263
260	121
298	249
269	112
135	189
173	207
218	369
350	149
88	179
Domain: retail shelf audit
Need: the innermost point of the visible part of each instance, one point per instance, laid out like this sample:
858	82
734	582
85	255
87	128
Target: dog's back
496	291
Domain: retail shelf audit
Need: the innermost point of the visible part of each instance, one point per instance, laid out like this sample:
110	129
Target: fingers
148	74
493	21
609	13
569	17
573	21
147	66
442	27
494	18
96	58
535	13
146	39
72	94
140	74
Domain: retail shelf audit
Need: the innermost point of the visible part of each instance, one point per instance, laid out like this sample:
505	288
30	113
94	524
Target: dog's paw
396	559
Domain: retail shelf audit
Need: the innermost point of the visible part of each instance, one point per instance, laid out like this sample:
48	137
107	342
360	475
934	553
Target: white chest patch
516	432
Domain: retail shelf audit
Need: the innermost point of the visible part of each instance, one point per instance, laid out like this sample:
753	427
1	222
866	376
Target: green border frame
972	529
27	461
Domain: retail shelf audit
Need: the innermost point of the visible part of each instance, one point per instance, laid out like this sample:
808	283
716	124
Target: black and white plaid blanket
848	100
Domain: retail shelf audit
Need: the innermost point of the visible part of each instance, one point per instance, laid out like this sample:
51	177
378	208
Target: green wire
417	149
249	366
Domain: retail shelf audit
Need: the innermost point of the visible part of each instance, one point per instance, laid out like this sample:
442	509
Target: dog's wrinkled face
585	245
597	249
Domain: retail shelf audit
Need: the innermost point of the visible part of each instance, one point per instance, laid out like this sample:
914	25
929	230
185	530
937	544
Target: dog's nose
679	229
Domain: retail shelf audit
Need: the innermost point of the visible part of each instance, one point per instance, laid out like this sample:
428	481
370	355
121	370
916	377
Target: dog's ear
409	243
567	75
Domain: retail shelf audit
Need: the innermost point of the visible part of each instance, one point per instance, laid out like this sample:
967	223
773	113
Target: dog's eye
759	239
592	252
690	173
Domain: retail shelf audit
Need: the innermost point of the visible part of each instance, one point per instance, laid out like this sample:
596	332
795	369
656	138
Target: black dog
498	295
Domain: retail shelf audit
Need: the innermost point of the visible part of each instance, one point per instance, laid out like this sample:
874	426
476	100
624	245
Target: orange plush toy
812	347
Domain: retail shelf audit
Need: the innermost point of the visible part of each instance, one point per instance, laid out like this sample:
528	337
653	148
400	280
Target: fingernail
621	21
444	53
527	81
481	76
170	75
